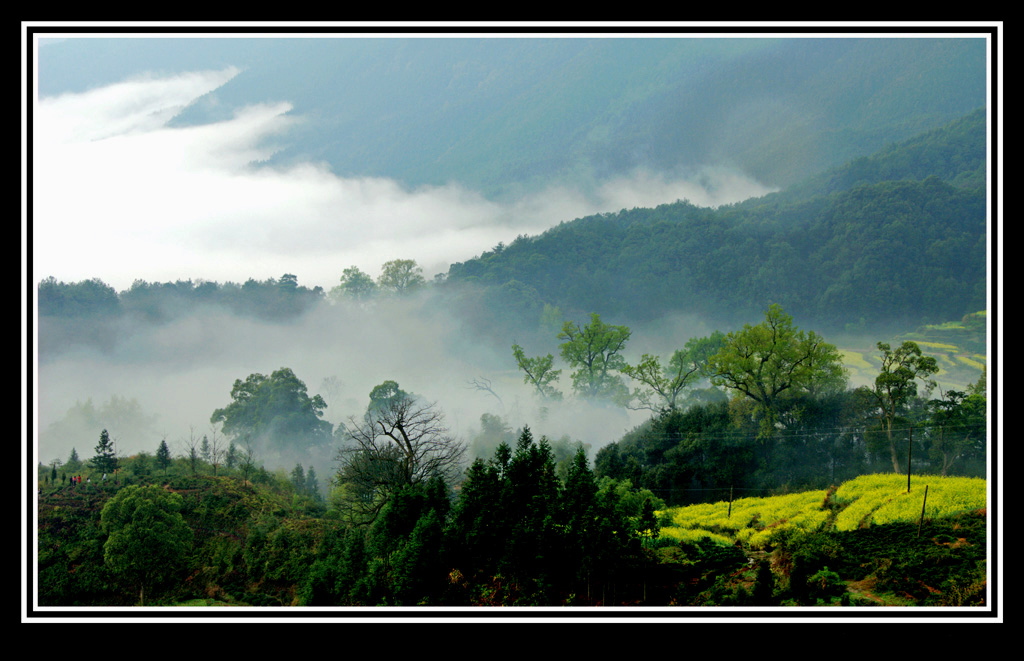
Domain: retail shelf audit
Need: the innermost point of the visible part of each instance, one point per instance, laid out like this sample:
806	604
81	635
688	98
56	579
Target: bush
824	585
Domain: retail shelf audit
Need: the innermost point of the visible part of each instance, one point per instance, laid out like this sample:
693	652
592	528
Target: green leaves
774	358
595	352
538	372
148	539
277	407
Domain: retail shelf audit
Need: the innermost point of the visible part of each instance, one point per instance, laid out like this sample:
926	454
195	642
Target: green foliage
665	384
898	247
774	359
400	277
355	285
163	456
825	585
538	372
105	460
595	352
148	540
276	408
895	387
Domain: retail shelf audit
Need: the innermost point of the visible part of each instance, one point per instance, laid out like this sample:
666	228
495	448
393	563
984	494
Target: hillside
253	545
883	243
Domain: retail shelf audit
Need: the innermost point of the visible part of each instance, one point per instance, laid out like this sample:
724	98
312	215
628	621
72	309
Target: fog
178	373
119	196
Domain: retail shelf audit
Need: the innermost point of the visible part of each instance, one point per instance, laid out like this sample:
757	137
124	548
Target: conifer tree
163	456
105	460
74	463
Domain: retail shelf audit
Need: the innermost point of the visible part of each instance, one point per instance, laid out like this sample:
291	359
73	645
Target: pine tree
299	479
74	463
313	485
105	460
163	456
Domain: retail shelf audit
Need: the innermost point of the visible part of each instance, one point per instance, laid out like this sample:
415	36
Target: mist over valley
212	164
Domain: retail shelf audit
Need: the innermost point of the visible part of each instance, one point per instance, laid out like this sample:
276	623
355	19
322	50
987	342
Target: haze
120	196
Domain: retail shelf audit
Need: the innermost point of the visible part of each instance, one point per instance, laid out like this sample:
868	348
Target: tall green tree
105	460
773	359
74	463
163	456
299	479
148	541
896	386
401	277
594	351
958	426
275	409
354	285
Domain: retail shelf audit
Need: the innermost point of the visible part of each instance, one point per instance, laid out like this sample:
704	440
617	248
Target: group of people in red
77	479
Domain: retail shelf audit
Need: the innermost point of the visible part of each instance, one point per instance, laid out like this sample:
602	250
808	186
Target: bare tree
483	384
217	449
191	451
247	461
401	441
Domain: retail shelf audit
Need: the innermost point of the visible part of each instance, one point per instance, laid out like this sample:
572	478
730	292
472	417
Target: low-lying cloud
121	196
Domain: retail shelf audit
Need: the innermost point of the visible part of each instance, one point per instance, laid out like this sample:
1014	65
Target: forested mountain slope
894	240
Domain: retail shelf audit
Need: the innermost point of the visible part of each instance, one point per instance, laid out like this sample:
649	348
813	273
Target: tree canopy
277	409
774	359
148	541
594	351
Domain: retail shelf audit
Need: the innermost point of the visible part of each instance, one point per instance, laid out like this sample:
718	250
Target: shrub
824	585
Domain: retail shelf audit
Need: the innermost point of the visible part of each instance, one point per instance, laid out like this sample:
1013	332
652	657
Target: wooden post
921	522
910	447
730	504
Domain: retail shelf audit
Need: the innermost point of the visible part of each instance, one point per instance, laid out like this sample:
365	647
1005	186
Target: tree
960	418
664	385
355	285
192	452
276	409
299	479
163	456
775	359
538	373
73	464
594	351
148	540
400	277
400	441
231	456
105	460
217	451
896	385
313	485
647	525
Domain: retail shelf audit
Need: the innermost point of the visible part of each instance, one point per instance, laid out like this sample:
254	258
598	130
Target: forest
411	513
414	515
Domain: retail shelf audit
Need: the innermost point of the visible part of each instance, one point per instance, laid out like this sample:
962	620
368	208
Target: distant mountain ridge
891	247
504	115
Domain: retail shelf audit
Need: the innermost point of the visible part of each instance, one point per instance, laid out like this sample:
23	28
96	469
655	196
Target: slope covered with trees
881	243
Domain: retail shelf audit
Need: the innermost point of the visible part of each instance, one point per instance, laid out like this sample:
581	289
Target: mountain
504	115
880	242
